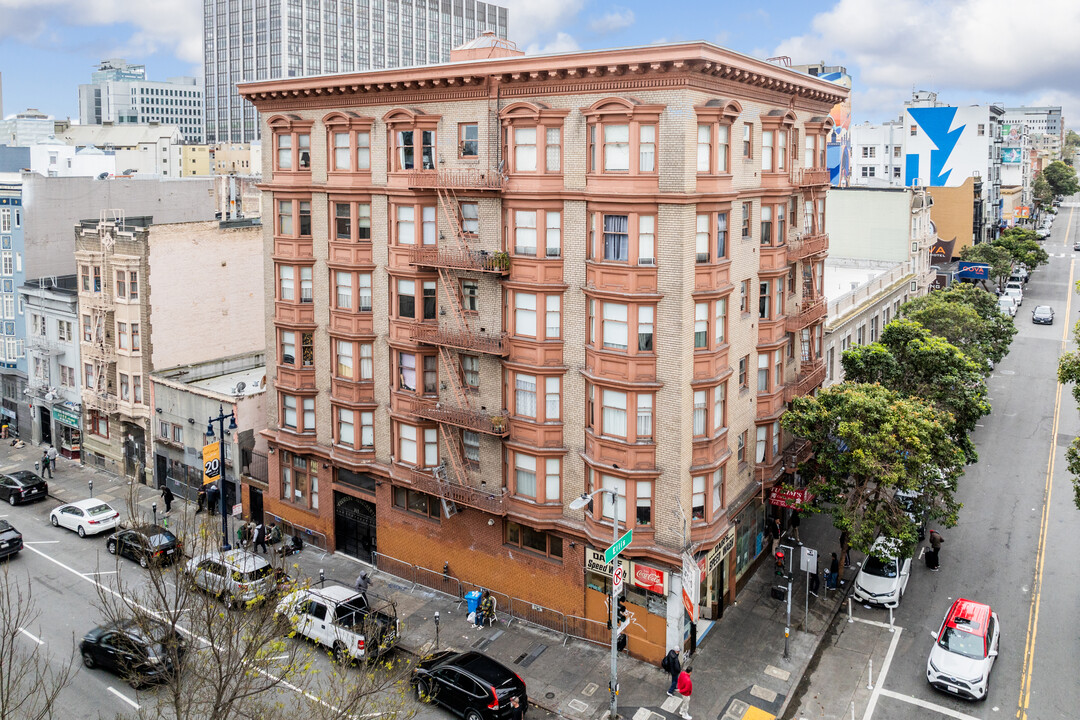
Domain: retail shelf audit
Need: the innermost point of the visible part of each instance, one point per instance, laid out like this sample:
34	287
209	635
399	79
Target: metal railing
488	423
804	245
490	343
258	467
805	177
809	312
810	376
458	179
458	259
491	501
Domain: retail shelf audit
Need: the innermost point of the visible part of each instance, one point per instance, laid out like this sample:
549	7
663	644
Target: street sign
238	509
808	560
613	552
618	582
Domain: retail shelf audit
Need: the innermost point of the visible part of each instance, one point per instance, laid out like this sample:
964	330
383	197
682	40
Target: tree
988	340
1042	191
911	361
1023	247
998	258
869	443
1062	178
29	684
1072	144
1069	373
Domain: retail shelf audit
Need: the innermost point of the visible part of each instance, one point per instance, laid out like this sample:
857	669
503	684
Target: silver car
883	581
236	576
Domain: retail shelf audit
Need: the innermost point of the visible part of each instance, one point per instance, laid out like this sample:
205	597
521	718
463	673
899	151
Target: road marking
926	704
123	697
875	623
1028	671
103	572
879	685
41	542
37	640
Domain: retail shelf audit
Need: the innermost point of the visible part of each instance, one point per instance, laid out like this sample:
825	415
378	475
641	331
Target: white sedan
86	517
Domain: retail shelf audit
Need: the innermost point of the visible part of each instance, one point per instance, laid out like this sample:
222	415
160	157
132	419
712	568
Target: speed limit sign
617	580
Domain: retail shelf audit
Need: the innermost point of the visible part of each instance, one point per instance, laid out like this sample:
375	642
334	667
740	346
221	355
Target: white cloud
967	50
536	23
614	20
561	43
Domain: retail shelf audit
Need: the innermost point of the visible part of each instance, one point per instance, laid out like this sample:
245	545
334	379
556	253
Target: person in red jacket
685	687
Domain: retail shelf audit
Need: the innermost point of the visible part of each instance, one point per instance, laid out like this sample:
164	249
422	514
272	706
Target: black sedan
469	684
22	486
145	544
140	652
1043	315
10	539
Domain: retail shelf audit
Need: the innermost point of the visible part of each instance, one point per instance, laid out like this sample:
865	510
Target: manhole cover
549	695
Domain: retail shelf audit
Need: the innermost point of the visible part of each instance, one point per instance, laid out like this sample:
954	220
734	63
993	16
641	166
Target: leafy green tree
948	314
1062	178
1069	373
1072	144
998	258
911	361
1042	191
1023	247
869	443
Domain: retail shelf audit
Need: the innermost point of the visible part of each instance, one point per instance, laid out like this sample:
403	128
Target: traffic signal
780	563
620	611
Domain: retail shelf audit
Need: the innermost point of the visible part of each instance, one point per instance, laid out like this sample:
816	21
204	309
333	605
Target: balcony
809	312
807	177
766	473
805	245
497	424
481	341
810	376
490	501
95	351
457	259
101	403
795	453
43	347
786	460
456	179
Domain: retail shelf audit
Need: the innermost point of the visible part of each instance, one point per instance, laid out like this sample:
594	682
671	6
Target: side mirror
934	634
993	654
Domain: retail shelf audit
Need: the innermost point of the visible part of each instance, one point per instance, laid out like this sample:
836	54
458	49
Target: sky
968	51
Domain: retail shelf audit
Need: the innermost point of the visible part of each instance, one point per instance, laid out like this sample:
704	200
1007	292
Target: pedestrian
685	686
516	711
933	558
673	667
260	537
52	458
273	534
834	573
201	498
793	526
212	496
45	464
363	582
167	497
776	530
845	548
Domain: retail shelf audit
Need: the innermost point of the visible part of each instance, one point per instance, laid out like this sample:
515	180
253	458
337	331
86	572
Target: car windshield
98	510
5	526
259	574
962	643
885	569
162	538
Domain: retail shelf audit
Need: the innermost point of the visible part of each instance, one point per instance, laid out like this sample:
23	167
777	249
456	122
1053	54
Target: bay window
429	289
298	413
720	323
762	443
766	224
406	371
344	363
645	328
552	395
367	429
291	143
701	325
613	406
525	233
351	144
288	347
644	416
525	475
643	502
366	362
525	395
406	292
525	314
552	480
613	507
431	375
525	149
765	300
646	240
306	289
719	407
363	292
615	326
428	233
763	373
701	239
407	443
616	148
704	148
701	412
647	149
415	149
616	238
553	316
553	236
406	225
343	290
697	499
553	150
431	447
767	150
346	427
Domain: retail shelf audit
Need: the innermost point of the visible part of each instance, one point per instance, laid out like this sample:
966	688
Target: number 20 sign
211	456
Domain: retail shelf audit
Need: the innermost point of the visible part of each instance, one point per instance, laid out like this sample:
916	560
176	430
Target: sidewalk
739	669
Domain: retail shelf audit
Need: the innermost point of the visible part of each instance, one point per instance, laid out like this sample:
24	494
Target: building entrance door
354	526
46	426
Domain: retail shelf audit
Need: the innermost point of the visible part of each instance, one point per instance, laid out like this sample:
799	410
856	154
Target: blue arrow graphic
936	122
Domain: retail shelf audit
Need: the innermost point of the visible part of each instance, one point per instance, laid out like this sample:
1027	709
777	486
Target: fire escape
456	332
101	351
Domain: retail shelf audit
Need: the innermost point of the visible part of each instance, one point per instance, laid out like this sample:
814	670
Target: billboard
973	271
211	457
1013	155
946	147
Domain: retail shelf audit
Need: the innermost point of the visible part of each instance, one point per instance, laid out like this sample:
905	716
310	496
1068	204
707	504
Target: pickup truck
341	619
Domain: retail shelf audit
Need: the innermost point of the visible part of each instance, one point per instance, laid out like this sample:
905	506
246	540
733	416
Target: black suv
469	684
10	539
22	486
145	544
138	652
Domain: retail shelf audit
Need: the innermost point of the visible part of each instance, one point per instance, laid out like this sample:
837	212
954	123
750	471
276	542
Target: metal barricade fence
538	615
589	630
502	602
393	566
438	581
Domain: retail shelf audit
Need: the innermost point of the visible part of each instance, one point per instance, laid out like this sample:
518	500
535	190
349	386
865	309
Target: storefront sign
7	413
211	458
788	498
66	416
594	562
691	586
650	578
719	553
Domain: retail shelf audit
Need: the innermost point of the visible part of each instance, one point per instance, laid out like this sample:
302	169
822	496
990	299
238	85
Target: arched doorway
354	526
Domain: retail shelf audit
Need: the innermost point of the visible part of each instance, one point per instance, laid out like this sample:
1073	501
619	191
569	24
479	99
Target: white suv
965	649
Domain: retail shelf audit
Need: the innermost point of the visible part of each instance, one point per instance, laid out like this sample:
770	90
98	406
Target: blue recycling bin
472	600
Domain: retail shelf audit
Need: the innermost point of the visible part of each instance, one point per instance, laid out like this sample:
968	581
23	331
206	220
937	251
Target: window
406	225
286	283
470	371
552	394
697	499
292	143
767	150
525	475
613	507
177	434
288	347
469	140
306	287
613	406
553	221
646	240
748	140
525	314
525	537
719	407
552	482
470	218
525	233
136	338
763	373
431	375
343	288
366	362
344	363
645	328
122	335
701	239
470	295
363	292
525	395
407	443
914	130
616	238
701	410
406	371
720	325
429	288
553	151
67	376
766	225
99	424
704	148
740	450
744	366
125	387
121	284
982	130
647	148
406	291
747	208
471	442
868	171
299	479
525	149
346	427
428	229
781	150
88	376
701	325
765	300
431	447
553	317
614	326
616	148
133	285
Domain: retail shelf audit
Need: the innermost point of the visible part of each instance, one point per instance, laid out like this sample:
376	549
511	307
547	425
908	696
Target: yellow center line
1040	555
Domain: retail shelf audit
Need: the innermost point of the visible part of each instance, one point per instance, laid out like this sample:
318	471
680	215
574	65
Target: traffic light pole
614	710
789	574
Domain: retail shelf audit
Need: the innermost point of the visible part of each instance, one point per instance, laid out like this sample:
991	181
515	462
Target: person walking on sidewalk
834	573
671	664
45	464
202	499
516	711
52	459
686	688
167	497
793	526
933	558
260	538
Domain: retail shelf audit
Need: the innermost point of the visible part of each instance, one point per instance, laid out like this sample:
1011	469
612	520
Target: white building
1044	120
55	158
272	39
877	154
52	326
26	128
121	94
151	149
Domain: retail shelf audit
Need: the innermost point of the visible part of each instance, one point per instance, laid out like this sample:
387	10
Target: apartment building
500	283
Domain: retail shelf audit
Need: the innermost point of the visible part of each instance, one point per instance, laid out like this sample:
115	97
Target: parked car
469	684
884	574
1007	306
1019	274
11	541
236	576
138	652
1076	245
964	650
145	544
342	620
1016	294
86	517
1042	315
23	486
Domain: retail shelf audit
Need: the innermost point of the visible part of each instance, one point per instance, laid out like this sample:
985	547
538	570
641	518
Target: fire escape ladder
453	379
450	289
451	438
451	210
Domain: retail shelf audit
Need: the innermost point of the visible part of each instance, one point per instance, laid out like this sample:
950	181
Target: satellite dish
239	388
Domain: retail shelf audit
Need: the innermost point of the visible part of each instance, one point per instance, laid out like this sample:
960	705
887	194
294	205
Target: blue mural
936	123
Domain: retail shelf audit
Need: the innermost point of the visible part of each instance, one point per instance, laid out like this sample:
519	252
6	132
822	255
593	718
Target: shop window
526	538
418	503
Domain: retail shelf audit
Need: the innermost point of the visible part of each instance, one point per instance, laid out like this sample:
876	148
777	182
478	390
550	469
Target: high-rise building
495	284
120	93
1046	121
271	39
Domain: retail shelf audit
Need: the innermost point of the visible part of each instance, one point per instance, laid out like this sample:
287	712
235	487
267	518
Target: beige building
195	160
956	213
237	158
156	296
497	284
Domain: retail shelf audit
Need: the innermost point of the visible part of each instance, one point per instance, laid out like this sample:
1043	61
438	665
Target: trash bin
472	600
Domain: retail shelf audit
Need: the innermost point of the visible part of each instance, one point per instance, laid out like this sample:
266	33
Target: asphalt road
1014	547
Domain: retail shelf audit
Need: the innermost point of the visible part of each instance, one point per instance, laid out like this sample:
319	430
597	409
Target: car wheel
473	715
11	499
142	562
54	521
423	691
341	655
88	660
111	547
81	531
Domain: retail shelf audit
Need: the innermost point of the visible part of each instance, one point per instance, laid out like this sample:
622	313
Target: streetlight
220	420
579	504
